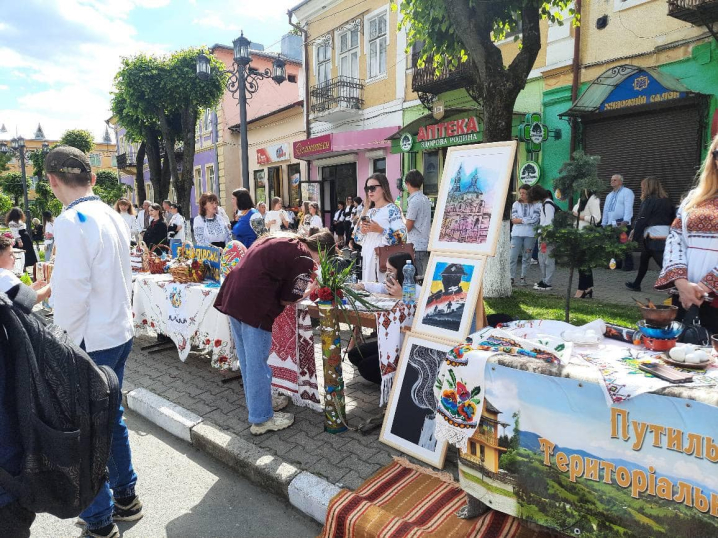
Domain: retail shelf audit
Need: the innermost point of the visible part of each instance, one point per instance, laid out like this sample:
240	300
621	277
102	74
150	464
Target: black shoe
129	509
586	294
631	286
108	531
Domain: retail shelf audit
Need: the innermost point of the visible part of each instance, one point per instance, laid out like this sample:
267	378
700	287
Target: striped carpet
399	501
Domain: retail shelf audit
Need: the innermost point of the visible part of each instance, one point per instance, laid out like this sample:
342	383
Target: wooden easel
480	313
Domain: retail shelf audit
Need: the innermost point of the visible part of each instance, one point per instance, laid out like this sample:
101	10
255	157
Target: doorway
339	182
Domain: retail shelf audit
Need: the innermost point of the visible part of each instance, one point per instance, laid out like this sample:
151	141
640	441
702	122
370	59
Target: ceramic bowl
660	316
672	330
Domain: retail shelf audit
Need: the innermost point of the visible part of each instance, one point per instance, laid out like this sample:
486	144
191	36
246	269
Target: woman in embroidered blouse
588	213
209	227
381	224
250	222
690	261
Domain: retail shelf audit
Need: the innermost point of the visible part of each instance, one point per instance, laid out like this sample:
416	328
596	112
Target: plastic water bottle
409	287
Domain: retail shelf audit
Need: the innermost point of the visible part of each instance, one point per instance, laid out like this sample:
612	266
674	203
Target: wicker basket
140	258
182	271
155	261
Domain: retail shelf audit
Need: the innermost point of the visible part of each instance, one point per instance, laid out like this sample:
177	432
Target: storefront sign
533	132
406	142
639	89
530	173
313	146
273	154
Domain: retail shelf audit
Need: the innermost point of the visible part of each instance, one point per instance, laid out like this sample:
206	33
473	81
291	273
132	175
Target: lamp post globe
241	50
14	143
279	71
45	147
20	142
203	67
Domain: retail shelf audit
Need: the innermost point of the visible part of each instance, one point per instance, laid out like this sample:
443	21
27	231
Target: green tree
107	186
4	159
5	205
78	138
11	185
592	246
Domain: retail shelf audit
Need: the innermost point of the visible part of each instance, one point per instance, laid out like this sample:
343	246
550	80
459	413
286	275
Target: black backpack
557	209
66	410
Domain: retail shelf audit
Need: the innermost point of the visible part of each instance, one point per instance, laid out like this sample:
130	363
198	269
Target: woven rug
401	501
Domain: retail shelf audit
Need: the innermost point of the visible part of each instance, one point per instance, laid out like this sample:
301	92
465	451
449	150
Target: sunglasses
372	188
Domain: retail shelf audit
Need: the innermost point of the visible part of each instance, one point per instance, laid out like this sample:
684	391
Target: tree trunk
183	183
497	279
169	141
154	161
140	191
165	179
567	308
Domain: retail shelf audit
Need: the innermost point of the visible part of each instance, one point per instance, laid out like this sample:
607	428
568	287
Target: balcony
179	150
427	80
126	162
696	12
338	99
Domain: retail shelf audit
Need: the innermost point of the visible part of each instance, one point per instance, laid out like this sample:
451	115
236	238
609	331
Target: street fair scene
384	269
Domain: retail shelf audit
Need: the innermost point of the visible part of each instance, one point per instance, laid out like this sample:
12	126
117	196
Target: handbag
694	332
384	253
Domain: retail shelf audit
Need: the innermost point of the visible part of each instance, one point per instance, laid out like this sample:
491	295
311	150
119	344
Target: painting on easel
471	198
449	296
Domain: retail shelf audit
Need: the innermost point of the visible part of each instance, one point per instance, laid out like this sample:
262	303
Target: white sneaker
279	402
279	421
534	262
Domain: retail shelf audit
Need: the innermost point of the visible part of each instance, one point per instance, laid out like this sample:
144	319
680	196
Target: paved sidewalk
345	459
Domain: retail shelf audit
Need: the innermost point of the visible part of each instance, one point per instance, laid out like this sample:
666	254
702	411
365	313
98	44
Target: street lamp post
242	82
17	147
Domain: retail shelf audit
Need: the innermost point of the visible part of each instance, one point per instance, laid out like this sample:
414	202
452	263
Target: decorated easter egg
233	252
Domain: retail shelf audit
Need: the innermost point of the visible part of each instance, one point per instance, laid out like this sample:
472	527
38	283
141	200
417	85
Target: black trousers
15	521
366	358
652	249
585	279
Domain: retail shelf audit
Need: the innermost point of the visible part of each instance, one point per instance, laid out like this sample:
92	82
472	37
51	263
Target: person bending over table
366	356
274	273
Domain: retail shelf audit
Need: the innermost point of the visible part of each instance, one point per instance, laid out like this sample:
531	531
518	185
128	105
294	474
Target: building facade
355	62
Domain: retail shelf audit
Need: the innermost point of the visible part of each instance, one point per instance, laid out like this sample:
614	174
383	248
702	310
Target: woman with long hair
315	220
127	212
156	232
276	217
380	224
210	228
653	225
690	261
250	222
48	232
15	220
588	213
274	273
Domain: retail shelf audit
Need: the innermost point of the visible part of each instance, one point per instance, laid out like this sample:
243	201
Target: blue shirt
243	230
618	207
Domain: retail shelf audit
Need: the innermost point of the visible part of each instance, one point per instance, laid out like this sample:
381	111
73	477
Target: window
197	183
209	174
150	192
114	160
260	187
431	173
294	173
349	53
472	448
416	52
95	159
377	45
482	452
274	175
292	78
379	166
324	63
207	120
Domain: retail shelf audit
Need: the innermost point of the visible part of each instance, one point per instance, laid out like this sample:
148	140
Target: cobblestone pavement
346	459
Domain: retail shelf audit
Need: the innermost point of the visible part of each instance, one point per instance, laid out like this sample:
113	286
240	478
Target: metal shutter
663	143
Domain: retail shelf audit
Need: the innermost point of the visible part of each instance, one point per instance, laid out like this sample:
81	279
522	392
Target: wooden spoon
639	303
650	303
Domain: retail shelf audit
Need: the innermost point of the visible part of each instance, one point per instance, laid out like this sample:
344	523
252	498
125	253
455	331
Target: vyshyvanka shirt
618	207
275	269
92	279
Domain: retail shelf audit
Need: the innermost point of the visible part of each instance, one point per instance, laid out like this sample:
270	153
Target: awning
649	85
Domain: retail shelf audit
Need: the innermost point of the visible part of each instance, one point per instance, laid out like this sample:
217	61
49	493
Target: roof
300	104
490	408
260	53
599	90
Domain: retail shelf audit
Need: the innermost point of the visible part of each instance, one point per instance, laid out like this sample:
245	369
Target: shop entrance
339	182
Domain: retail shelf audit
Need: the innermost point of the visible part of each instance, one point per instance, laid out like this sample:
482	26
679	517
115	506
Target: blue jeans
253	346
122	475
523	246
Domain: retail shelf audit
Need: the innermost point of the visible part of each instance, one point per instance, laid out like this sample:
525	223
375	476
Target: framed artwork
448	296
411	413
471	199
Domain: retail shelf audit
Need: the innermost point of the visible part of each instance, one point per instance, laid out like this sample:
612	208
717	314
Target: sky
58	58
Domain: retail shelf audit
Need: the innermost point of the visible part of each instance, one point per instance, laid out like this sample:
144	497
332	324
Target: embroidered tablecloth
185	313
389	339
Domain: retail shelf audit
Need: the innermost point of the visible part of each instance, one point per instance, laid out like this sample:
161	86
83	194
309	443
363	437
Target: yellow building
483	447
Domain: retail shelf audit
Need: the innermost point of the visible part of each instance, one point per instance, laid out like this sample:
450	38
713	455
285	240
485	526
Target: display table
593	447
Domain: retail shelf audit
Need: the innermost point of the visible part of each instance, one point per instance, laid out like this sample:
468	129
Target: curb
305	491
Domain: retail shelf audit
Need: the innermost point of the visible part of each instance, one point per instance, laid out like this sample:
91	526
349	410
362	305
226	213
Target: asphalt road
188	494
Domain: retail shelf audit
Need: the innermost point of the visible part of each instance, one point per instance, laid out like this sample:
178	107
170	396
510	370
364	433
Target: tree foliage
11	185
45	199
4	160
592	246
157	100
5	204
108	187
81	139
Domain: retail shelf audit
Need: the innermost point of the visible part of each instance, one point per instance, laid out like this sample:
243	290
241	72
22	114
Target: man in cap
92	289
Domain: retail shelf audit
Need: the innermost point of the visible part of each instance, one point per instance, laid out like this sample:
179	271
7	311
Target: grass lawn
527	305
